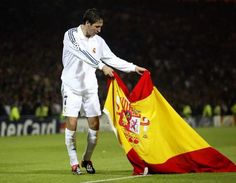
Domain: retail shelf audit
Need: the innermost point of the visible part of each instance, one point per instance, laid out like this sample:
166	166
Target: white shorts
85	104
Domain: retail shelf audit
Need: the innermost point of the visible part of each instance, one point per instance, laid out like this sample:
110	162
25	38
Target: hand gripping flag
154	136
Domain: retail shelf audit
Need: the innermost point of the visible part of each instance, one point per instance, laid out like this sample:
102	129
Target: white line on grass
114	179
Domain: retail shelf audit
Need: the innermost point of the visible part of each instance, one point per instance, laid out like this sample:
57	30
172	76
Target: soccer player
84	52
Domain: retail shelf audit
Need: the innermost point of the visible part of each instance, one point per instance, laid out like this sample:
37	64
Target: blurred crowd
189	50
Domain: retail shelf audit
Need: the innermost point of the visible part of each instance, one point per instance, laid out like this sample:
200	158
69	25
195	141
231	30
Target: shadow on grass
66	172
44	172
114	172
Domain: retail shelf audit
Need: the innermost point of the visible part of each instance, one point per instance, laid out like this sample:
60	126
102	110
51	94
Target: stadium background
189	47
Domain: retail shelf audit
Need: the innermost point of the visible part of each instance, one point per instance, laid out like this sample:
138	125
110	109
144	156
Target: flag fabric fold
154	136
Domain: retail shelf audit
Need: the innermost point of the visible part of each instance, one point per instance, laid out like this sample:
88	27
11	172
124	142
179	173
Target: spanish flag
154	136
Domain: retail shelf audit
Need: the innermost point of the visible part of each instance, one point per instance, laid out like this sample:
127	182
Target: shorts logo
64	102
65	98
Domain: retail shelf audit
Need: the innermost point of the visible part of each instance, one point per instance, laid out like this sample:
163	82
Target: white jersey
82	56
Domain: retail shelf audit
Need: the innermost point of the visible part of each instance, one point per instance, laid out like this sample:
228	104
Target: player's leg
70	141
91	144
71	107
93	123
92	110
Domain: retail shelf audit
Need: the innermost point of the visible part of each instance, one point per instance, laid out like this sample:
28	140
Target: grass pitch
44	159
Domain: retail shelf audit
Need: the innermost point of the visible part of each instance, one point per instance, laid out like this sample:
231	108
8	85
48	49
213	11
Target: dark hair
92	15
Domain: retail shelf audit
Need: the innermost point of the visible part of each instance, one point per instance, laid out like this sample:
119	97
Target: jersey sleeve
71	45
111	59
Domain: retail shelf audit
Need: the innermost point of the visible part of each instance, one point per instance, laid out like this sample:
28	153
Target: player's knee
71	123
93	123
95	127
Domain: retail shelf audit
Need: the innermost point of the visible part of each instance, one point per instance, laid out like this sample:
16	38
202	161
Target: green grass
44	159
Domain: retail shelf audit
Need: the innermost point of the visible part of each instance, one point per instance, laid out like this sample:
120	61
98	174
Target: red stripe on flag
121	84
136	161
143	88
203	160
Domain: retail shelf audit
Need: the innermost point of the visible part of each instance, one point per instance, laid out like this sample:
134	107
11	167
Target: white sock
70	141
91	143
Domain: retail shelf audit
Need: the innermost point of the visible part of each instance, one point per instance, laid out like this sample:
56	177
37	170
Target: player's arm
112	60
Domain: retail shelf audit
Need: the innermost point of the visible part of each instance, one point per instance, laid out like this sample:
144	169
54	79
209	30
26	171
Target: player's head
93	21
92	16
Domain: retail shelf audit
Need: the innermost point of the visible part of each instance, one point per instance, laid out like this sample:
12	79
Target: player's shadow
114	172
36	172
65	172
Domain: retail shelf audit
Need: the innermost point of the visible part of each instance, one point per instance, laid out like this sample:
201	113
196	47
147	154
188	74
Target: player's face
95	28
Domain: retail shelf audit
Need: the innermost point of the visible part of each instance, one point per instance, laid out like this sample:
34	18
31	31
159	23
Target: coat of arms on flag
131	120
154	136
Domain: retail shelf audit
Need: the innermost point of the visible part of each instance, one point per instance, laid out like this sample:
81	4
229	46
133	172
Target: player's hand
108	71
140	70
